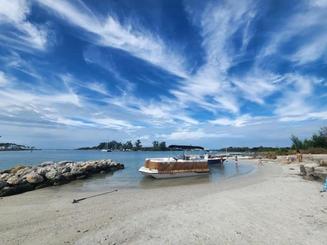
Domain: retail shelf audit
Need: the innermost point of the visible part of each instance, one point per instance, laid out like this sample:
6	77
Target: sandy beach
272	205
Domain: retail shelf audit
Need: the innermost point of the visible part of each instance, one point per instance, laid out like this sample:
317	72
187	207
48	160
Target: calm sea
128	177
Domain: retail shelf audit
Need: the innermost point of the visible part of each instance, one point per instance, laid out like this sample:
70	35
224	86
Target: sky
211	73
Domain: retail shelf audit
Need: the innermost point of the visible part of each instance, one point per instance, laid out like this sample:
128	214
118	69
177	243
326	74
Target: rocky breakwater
26	178
315	170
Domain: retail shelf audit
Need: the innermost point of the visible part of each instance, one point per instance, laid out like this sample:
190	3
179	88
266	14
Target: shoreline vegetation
137	146
316	144
127	146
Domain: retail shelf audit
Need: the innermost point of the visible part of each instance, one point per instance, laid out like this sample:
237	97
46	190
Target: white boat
106	150
170	167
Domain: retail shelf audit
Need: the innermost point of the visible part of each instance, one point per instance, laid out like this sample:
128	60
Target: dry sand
271	206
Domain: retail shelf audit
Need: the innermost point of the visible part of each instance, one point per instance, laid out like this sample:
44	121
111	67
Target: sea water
128	177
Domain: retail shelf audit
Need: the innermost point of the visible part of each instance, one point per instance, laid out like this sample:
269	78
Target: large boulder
2	184
323	163
75	170
42	170
63	163
34	178
15	169
14	180
4	176
68	176
46	163
310	167
51	175
23	171
320	172
65	169
303	172
12	190
87	167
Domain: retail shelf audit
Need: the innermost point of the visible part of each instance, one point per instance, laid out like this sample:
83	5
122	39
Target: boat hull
174	174
216	161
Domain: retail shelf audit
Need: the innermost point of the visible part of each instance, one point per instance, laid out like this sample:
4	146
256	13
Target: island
137	146
15	147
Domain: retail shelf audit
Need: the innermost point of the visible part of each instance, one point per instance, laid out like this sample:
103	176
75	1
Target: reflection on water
118	180
127	178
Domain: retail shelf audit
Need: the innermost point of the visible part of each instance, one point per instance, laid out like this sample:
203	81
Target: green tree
138	145
162	146
128	145
297	143
155	145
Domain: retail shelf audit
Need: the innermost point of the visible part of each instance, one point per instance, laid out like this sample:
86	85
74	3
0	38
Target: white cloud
27	35
257	85
3	79
109	32
242	121
313	50
294	102
308	24
114	123
211	87
238	122
191	135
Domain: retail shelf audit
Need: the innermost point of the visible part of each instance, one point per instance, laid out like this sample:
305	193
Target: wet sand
270	206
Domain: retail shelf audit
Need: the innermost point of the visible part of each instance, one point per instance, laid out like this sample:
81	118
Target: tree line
128	146
317	140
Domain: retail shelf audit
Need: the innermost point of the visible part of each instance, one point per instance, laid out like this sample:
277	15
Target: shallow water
127	178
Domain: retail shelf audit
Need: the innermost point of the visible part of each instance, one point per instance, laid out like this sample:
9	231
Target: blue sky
215	73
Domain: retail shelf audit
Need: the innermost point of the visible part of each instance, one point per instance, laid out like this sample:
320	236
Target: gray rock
51	175
76	171
12	190
87	167
83	176
65	170
34	178
23	171
42	170
13	180
47	163
320	172
4	176
2	184
16	169
68	176
22	178
63	163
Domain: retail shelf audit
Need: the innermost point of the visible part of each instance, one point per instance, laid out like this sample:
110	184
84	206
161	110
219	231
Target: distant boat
107	148
172	167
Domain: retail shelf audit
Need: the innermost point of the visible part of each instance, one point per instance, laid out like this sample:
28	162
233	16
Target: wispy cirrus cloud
192	135
108	31
59	107
255	67
17	31
307	29
210	87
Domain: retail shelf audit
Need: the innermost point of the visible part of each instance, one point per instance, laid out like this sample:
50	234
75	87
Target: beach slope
271	206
